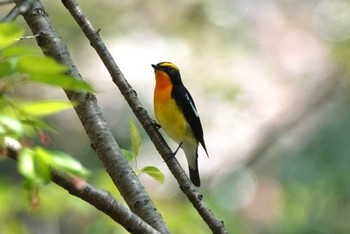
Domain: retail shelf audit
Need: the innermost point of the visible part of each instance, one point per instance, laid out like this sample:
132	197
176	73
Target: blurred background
270	79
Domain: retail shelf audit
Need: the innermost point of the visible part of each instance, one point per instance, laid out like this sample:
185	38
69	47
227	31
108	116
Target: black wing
185	102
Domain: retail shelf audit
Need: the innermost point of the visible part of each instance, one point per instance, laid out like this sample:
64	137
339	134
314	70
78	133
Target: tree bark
101	138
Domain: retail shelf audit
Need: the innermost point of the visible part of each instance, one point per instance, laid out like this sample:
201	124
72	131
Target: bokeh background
270	79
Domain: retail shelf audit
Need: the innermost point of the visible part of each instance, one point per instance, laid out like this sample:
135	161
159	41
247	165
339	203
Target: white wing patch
192	105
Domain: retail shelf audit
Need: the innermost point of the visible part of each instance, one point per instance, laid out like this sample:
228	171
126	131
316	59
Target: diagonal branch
21	7
5	2
101	138
131	97
105	202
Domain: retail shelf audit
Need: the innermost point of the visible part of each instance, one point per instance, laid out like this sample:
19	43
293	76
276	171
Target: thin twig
131	97
101	138
21	7
5	2
105	202
28	37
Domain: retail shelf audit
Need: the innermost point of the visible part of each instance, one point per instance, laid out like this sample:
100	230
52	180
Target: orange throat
163	87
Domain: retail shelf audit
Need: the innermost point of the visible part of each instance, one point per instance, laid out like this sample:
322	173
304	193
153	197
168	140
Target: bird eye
170	69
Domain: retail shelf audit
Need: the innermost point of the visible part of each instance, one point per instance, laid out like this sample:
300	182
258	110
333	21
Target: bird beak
155	67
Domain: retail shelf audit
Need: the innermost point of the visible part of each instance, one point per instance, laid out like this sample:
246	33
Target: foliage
152	171
310	177
20	120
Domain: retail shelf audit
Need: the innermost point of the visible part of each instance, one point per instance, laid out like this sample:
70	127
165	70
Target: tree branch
104	202
131	97
88	111
21	7
5	2
100	199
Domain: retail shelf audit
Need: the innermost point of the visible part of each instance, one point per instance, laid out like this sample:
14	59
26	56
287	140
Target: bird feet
173	154
156	125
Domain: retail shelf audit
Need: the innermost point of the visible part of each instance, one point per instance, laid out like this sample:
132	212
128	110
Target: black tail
194	176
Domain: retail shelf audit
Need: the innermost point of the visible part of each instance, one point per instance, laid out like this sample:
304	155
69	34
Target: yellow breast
168	114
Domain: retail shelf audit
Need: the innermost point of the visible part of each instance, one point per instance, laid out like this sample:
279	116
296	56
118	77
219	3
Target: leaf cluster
20	120
136	141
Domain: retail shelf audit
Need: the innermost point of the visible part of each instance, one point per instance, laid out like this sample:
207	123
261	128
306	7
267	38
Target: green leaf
135	138
41	108
11	125
65	162
39	124
26	163
7	67
154	172
42	169
63	81
48	71
32	65
9	32
128	155
34	167
19	51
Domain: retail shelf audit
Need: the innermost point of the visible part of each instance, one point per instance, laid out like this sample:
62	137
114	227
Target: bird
177	115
